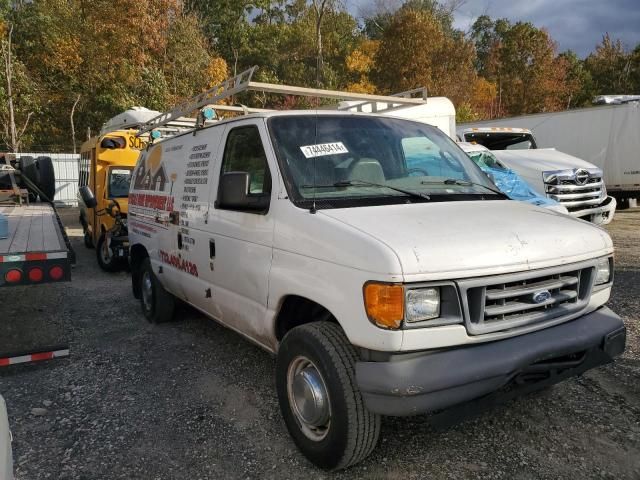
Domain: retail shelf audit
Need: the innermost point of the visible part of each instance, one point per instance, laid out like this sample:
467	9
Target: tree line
69	65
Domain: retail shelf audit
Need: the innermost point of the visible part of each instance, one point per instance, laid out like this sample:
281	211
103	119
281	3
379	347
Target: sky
574	24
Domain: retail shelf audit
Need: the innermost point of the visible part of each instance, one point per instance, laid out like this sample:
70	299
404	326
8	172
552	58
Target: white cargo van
382	290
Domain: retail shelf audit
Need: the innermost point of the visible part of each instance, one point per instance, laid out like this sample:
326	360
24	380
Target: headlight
552	177
388	305
422	304
603	271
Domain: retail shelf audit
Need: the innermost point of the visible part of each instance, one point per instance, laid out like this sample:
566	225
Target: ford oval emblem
541	296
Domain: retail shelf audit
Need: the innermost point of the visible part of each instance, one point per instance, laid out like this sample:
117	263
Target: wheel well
296	311
137	254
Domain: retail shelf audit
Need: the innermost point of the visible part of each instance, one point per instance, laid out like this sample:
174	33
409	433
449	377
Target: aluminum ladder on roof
243	83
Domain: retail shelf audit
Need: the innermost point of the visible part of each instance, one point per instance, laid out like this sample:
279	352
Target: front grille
566	190
507	302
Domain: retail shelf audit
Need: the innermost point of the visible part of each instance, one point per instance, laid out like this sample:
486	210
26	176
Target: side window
244	152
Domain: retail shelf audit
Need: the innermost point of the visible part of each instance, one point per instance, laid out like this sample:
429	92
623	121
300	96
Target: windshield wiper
464	183
364	183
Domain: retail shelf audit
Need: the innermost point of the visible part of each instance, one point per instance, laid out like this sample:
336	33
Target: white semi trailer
607	136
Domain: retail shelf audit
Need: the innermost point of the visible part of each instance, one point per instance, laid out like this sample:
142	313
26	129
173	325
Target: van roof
288	113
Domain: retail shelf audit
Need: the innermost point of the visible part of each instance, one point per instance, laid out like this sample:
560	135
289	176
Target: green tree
416	51
610	67
580	86
18	94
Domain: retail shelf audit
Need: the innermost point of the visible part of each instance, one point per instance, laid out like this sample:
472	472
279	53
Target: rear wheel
158	305
319	399
106	259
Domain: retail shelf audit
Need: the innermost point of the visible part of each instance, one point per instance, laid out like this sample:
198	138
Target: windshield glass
485	159
119	180
331	158
502	140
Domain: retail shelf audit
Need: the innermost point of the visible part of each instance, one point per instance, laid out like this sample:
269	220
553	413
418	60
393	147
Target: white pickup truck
382	289
574	183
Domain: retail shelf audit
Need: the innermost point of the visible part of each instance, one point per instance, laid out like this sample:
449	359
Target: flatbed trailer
36	249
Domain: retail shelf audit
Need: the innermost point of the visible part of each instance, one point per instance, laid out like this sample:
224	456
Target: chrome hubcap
308	398
147	291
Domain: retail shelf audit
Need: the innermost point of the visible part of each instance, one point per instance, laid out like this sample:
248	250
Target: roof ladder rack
242	83
389	106
229	87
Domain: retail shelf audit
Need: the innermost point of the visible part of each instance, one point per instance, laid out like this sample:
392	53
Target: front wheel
88	242
319	399
158	305
106	258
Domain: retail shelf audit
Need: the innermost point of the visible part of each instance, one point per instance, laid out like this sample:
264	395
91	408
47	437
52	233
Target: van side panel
239	251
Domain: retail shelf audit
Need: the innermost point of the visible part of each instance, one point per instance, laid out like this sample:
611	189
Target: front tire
106	259
319	399
158	305
88	242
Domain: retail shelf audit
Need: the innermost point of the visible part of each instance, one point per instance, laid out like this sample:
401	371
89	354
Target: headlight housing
422	304
553	177
392	306
604	269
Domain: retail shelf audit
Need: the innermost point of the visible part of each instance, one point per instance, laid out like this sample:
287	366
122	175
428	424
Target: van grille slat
564	281
498	310
505	302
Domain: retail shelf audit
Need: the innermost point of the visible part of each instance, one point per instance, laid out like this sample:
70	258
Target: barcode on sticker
322	149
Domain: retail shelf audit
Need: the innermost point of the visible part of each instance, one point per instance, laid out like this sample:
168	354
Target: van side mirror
234	193
88	197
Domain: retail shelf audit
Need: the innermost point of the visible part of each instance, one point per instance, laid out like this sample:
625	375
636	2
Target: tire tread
365	424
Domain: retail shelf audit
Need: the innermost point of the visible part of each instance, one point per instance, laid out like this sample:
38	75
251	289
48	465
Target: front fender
336	288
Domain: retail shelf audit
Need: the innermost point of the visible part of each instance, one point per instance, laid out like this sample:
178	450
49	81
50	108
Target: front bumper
409	384
601	215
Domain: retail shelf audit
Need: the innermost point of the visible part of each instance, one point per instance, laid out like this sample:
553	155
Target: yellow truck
106	165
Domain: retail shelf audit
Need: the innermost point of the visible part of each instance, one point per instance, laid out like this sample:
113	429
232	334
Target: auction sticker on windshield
322	149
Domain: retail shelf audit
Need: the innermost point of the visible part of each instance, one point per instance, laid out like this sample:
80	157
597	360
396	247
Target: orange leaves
416	51
484	96
217	71
362	59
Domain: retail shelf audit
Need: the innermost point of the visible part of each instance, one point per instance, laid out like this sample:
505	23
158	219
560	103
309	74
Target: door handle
212	249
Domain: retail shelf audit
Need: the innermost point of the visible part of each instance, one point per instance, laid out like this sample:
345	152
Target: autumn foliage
85	61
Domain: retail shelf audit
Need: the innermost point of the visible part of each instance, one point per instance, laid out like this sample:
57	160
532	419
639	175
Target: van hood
542	159
447	240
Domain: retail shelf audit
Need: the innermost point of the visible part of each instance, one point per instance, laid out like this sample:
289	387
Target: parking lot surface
192	400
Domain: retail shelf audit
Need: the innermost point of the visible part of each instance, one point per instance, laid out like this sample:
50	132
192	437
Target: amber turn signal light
384	304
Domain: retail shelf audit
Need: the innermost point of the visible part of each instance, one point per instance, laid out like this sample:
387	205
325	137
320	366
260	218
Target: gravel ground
193	400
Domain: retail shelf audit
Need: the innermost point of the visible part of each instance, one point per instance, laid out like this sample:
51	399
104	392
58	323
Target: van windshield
354	160
119	180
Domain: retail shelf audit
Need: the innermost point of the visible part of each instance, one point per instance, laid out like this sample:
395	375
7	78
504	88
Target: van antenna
315	140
